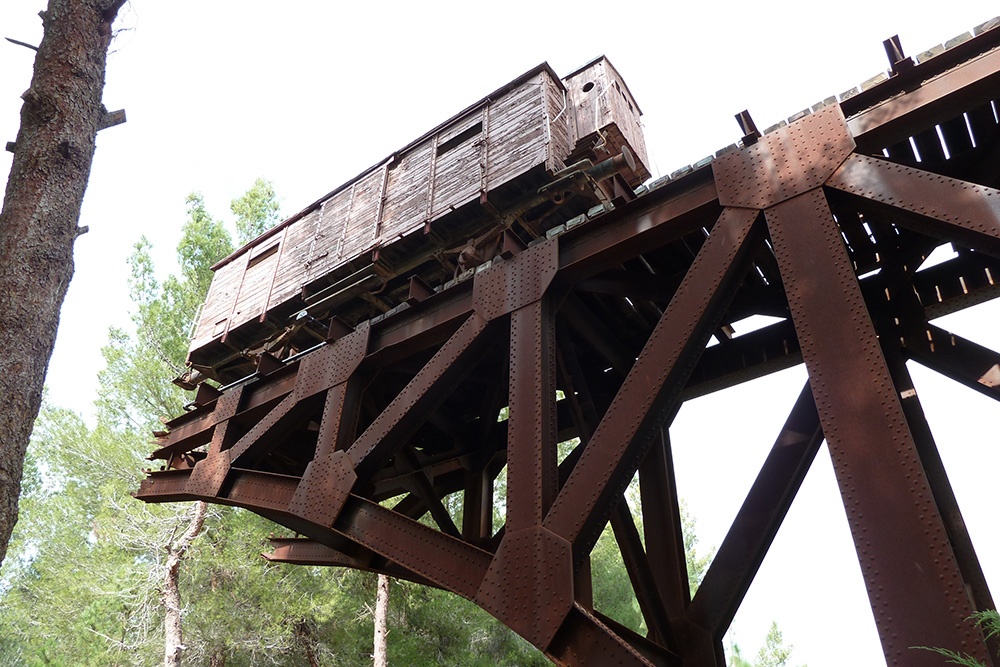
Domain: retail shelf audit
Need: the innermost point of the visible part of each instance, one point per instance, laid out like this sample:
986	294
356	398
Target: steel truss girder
319	444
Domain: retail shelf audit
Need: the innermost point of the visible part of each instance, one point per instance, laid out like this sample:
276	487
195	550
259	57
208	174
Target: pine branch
20	43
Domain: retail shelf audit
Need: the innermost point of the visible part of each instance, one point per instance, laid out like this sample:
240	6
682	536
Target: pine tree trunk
304	637
60	118
172	621
381	652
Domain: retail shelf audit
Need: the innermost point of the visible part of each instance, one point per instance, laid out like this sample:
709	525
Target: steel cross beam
600	333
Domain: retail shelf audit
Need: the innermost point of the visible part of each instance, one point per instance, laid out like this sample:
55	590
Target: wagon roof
543	67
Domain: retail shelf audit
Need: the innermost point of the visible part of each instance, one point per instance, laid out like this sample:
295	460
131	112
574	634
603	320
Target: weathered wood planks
531	123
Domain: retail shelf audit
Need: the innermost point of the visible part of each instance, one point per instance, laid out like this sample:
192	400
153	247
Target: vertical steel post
907	561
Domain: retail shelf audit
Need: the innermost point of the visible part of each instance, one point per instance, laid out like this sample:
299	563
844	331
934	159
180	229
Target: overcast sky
219	93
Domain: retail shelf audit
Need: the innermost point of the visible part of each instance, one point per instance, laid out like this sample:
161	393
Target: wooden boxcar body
351	253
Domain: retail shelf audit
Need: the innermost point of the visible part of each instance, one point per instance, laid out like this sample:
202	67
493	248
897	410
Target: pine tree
85	544
256	211
60	118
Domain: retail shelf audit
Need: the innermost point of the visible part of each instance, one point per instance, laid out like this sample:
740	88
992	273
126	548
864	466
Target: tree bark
304	637
380	655
172	621
60	118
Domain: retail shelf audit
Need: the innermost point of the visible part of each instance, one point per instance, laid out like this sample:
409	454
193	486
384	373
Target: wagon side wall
492	143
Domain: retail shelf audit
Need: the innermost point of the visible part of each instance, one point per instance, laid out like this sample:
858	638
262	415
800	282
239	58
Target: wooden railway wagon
521	161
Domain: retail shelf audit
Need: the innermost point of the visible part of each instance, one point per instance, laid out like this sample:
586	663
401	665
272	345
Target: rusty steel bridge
821	222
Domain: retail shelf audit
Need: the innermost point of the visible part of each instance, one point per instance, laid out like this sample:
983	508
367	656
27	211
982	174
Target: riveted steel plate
164	486
218	441
449	562
906	558
324	489
516	282
963	205
335	425
258	490
300	551
529	585
209	475
260	429
586	641
228	404
331	365
531	427
403	409
784	163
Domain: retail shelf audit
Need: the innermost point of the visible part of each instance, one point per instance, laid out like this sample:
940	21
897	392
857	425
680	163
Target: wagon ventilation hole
459	139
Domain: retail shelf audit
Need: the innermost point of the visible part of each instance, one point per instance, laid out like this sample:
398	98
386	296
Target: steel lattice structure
822	222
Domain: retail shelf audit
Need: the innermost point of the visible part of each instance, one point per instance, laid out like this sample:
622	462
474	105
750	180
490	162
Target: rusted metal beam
640	574
424	489
588	642
948	208
477	507
973	365
269	431
618	236
750	536
451	563
767	350
306	551
531	424
611	457
662	529
397	375
430	386
933	101
906	559
944	495
420	327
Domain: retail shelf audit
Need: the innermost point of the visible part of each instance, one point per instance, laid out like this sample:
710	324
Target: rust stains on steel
822	223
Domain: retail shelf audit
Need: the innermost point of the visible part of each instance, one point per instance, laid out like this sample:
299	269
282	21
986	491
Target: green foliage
81	594
256	211
135	384
737	659
431	627
240	606
204	241
773	653
84	586
613	592
697	564
988	621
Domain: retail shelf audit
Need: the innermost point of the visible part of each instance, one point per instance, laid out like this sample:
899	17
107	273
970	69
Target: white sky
219	93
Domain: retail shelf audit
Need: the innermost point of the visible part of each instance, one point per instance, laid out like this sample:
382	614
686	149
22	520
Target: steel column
906	559
743	550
